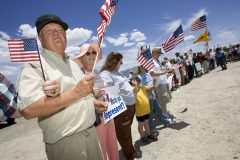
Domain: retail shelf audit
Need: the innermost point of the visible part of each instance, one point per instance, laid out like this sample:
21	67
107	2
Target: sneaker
144	140
153	137
171	116
137	154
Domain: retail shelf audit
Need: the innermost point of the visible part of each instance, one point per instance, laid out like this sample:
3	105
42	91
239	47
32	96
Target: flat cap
49	18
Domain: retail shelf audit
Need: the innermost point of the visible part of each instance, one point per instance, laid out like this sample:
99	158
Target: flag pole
97	56
95	63
40	62
207	40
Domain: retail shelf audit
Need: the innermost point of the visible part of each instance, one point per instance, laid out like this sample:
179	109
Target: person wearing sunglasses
106	132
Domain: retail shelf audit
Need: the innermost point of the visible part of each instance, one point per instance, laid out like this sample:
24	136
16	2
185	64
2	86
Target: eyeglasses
91	53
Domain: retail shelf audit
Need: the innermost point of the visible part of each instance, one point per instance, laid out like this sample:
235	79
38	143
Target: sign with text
198	66
115	102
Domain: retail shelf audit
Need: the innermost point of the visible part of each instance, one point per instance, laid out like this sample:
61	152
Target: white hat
84	48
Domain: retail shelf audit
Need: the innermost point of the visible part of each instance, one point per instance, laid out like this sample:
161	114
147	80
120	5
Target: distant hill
127	72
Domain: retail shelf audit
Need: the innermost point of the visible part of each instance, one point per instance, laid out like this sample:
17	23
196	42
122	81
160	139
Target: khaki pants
79	146
163	93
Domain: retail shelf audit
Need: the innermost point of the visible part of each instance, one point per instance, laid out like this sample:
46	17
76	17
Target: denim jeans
156	115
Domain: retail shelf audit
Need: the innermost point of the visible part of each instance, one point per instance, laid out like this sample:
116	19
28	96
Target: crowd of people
67	106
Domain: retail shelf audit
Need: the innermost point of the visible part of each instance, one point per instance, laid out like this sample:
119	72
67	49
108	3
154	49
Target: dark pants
123	124
222	62
190	72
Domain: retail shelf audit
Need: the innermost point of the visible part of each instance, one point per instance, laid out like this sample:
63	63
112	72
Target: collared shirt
77	117
162	79
117	78
8	98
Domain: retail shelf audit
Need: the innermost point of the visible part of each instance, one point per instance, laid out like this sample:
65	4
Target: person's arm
149	88
153	73
47	106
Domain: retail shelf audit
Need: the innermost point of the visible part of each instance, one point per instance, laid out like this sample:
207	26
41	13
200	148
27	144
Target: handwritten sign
115	102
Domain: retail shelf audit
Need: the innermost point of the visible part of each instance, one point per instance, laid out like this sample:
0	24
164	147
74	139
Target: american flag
175	66
176	38
23	50
103	96
199	23
101	30
107	5
145	59
106	12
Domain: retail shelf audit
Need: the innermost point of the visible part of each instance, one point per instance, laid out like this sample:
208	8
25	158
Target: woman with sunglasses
106	132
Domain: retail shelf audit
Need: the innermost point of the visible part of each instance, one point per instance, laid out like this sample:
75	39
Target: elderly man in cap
159	74
66	119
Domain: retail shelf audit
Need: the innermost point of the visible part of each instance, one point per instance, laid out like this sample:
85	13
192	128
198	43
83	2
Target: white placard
198	66
169	81
115	102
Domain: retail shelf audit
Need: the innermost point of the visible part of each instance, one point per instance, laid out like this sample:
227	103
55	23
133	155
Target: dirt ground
207	128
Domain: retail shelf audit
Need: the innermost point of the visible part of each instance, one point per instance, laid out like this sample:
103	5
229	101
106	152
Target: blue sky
135	23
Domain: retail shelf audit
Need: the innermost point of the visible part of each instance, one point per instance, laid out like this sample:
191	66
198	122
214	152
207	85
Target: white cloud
8	70
227	36
3	46
26	30
73	51
129	58
188	38
4	35
196	15
137	36
78	36
172	26
124	34
117	41
95	39
128	44
139	44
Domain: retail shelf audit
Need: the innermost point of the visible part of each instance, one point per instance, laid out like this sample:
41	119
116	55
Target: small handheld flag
24	50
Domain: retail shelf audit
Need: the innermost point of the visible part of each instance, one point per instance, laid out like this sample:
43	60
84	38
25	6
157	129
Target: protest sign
169	81
198	66
115	102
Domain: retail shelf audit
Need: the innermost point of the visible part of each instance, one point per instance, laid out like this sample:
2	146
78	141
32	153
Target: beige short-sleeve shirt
77	117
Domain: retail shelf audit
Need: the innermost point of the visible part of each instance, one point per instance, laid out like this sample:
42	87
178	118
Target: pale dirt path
208	130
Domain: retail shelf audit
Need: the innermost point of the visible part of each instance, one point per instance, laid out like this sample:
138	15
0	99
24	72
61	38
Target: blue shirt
146	80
